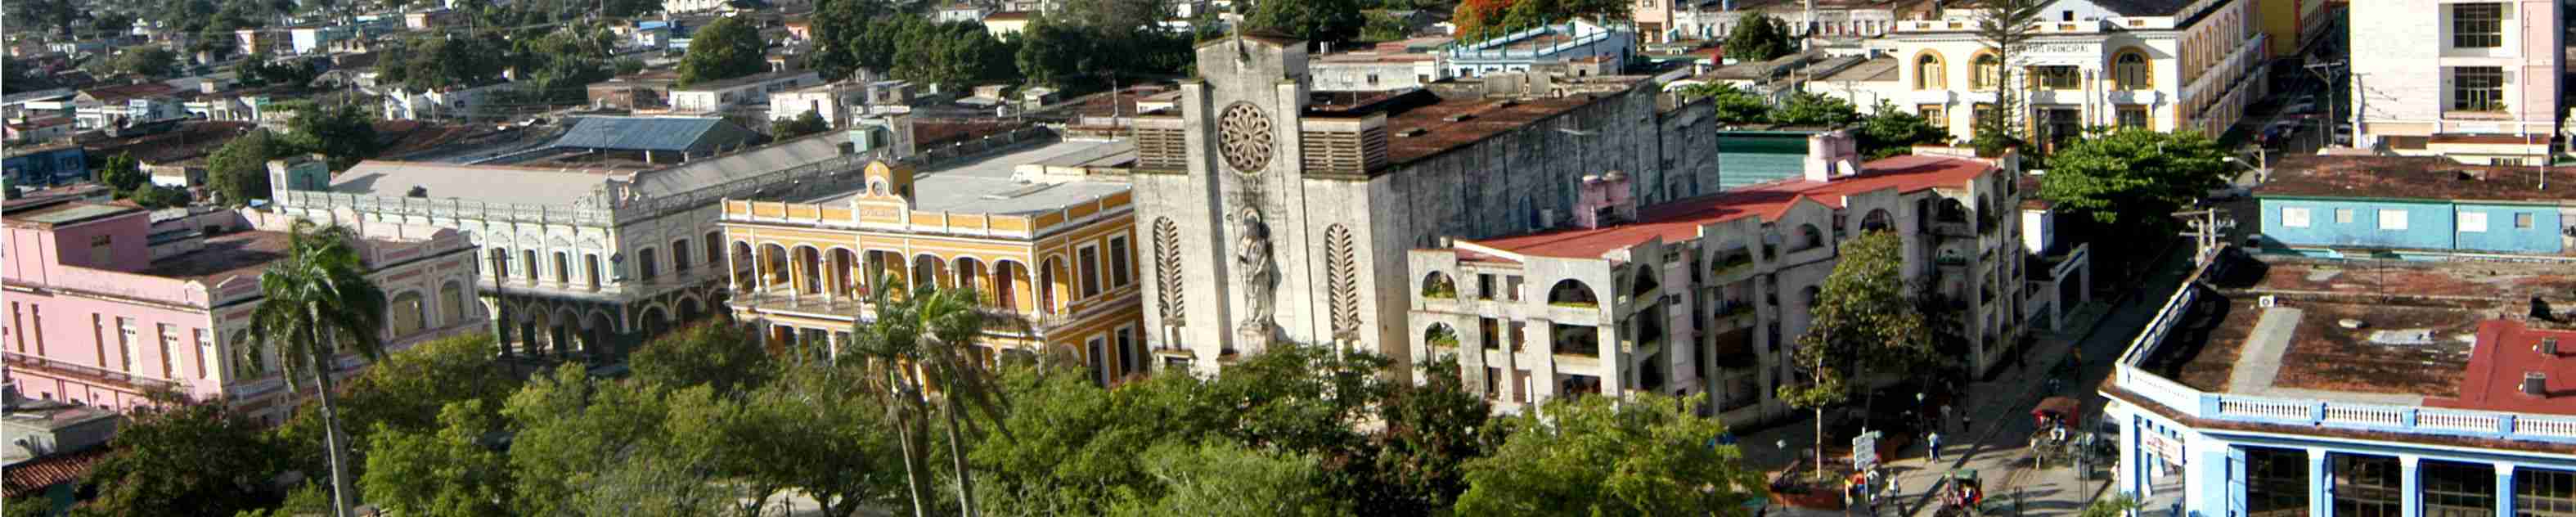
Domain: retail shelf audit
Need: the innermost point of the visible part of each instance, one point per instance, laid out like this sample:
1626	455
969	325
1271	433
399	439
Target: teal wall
2502	235
2430	225
1749	157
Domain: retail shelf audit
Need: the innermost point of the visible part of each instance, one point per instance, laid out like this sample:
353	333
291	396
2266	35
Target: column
2411	492
759	271
833	341
2504	488
733	272
2136	465
795	275
2320	484
1543	367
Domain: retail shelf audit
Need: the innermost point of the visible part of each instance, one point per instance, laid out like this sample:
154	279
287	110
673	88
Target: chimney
1604	201
2535	384
1830	155
2549	346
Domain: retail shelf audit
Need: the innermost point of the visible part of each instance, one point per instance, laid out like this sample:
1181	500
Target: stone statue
1252	258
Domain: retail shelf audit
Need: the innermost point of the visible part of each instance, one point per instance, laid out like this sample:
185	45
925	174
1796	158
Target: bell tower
1234	215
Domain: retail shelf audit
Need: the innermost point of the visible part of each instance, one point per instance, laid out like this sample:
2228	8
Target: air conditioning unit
2267	301
1547	219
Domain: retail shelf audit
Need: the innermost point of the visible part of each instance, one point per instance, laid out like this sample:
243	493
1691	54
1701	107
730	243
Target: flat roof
2429	333
486	183
235	254
741	81
2408	177
68	212
1426	131
1682	219
985	185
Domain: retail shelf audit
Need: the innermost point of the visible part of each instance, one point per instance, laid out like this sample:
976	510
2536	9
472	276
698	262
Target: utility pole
2325	71
2208	229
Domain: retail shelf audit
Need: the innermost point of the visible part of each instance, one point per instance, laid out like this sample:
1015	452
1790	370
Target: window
1372	79
528	264
404	314
1098	359
36	314
1929	74
99	247
1935	114
1984	111
125	338
2130	71
2294	217
1985	72
2477	88
2343	216
205	351
1088	260
2392	219
680	256
2539	493
2456	489
2522	220
2132	116
2473	221
1121	263
169	342
1127	351
647	264
2056	77
2479	25
17	329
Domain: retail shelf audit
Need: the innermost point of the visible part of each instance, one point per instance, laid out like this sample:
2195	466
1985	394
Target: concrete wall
2402	56
2503	235
2428	223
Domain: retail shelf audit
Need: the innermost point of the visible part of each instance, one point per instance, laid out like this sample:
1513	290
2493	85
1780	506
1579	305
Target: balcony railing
17	360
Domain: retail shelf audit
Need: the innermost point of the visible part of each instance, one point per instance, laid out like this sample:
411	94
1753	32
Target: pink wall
69	337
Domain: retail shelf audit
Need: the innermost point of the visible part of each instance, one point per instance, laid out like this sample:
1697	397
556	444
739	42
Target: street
1998	444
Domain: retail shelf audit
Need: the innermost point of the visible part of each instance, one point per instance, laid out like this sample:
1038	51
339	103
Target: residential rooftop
998	184
1682	219
242	254
2409	177
62	211
2393	332
740	81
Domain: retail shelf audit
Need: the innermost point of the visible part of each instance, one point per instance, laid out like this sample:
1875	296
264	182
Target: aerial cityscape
1751	258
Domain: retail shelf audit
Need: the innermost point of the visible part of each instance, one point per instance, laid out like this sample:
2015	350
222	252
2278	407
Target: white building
750	90
1660	21
405	104
2476	81
2166	65
311	40
1546	45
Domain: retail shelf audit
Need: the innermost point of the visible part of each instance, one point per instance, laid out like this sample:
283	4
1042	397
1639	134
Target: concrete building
436	104
1006	23
750	90
2479	82
1706	295
962	12
1279	214
594	260
123	104
1664	21
257	41
106	302
636	142
1041	229
1394	65
2334	205
2296	25
319	39
38	166
1570	42
837	103
2276	384
2166	65
39	130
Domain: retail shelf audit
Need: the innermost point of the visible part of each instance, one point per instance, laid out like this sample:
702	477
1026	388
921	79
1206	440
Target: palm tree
924	342
320	304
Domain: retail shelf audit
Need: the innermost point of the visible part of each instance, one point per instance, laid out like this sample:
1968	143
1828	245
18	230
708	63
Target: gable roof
655	134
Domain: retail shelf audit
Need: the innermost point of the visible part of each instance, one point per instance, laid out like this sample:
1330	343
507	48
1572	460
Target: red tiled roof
2506	350
26	479
1682	219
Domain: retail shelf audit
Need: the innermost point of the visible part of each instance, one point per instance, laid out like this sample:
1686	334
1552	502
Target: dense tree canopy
344	132
238	171
1316	21
1591	456
183	459
724	49
1759	37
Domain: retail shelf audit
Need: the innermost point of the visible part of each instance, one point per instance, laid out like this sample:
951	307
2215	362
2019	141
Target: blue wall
2502	236
2428	223
48	168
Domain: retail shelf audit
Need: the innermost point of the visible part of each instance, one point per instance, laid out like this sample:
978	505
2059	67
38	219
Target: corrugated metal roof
654	134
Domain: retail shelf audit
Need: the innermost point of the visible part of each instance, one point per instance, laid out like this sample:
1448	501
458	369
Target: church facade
1273	214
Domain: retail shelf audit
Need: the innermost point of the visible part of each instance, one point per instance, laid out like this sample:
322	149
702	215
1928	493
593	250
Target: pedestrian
1966	421
1933	440
1946	418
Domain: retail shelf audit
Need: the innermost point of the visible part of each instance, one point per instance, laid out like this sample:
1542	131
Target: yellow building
1048	242
2294	25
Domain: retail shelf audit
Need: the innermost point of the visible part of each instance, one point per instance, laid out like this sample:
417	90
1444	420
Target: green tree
1596	456
1229	480
1890	131
405	392
1431	430
1316	21
1863	318
238	171
2117	505
2129	181
344	132
1385	27
36	505
2006	27
806	123
1052	53
1759	37
454	471
834	446
157	197
182	458
319	305
1525	14
123	174
574	439
149	61
707	354
724	49
934	331
1734	105
1813	109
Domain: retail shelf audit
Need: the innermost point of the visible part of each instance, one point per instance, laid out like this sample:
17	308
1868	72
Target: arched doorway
970	278
809	265
741	262
655	323
1011	278
930	270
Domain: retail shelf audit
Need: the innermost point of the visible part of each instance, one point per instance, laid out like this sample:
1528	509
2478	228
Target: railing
2193	403
91	372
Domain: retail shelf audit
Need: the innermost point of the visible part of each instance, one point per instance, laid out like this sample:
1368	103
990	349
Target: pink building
105	302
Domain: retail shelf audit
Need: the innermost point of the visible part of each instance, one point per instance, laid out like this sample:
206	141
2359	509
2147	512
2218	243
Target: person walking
1933	443
1946	418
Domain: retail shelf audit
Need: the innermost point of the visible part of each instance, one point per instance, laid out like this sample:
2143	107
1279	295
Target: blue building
43	166
2277	385
1570	42
2415	203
